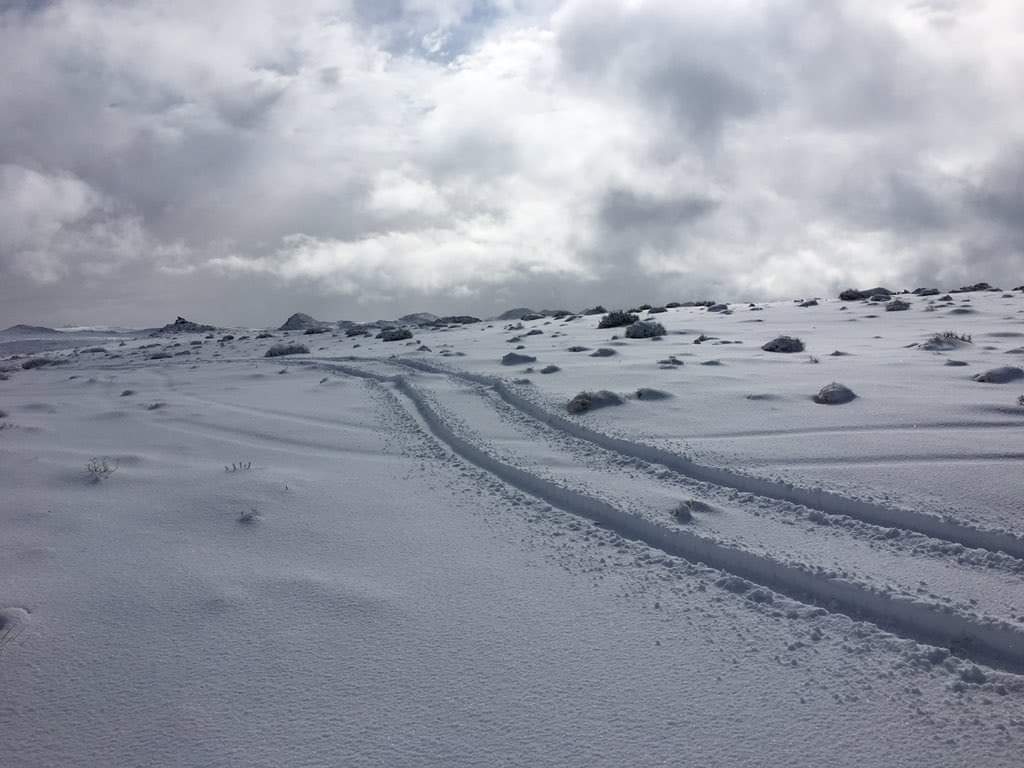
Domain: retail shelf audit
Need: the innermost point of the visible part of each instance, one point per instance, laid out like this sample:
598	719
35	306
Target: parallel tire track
813	498
996	644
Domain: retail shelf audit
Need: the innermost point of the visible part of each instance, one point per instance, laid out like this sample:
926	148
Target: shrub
280	350
645	329
616	319
99	469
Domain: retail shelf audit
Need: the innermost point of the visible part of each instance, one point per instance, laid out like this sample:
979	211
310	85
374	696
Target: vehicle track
997	644
814	498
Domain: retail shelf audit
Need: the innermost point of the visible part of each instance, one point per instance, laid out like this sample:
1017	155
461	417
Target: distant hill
518	313
30	330
418	318
300	321
181	325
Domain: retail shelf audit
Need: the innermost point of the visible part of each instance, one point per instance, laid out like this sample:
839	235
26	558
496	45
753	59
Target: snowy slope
421	580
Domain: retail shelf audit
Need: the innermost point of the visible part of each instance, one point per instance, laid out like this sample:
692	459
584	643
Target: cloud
460	154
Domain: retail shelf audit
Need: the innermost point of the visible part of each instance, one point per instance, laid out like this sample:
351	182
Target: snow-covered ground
407	553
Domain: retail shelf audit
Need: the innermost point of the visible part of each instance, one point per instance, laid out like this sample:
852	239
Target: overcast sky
238	160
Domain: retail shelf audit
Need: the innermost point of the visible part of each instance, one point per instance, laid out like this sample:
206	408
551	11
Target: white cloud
453	149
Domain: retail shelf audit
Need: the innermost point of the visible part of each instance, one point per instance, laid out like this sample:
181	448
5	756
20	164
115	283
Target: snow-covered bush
834	394
645	329
280	350
946	340
395	334
99	469
617	318
513	358
589	401
784	344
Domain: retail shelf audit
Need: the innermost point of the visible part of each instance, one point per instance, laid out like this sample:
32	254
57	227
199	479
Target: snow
377	555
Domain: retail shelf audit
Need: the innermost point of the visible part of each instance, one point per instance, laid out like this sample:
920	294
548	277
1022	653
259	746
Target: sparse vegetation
9	631
951	337
99	469
249	516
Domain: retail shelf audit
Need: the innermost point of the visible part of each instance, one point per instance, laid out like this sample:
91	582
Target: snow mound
513	358
646	393
589	401
1001	375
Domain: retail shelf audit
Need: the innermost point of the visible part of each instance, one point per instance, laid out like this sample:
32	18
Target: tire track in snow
996	644
814	498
